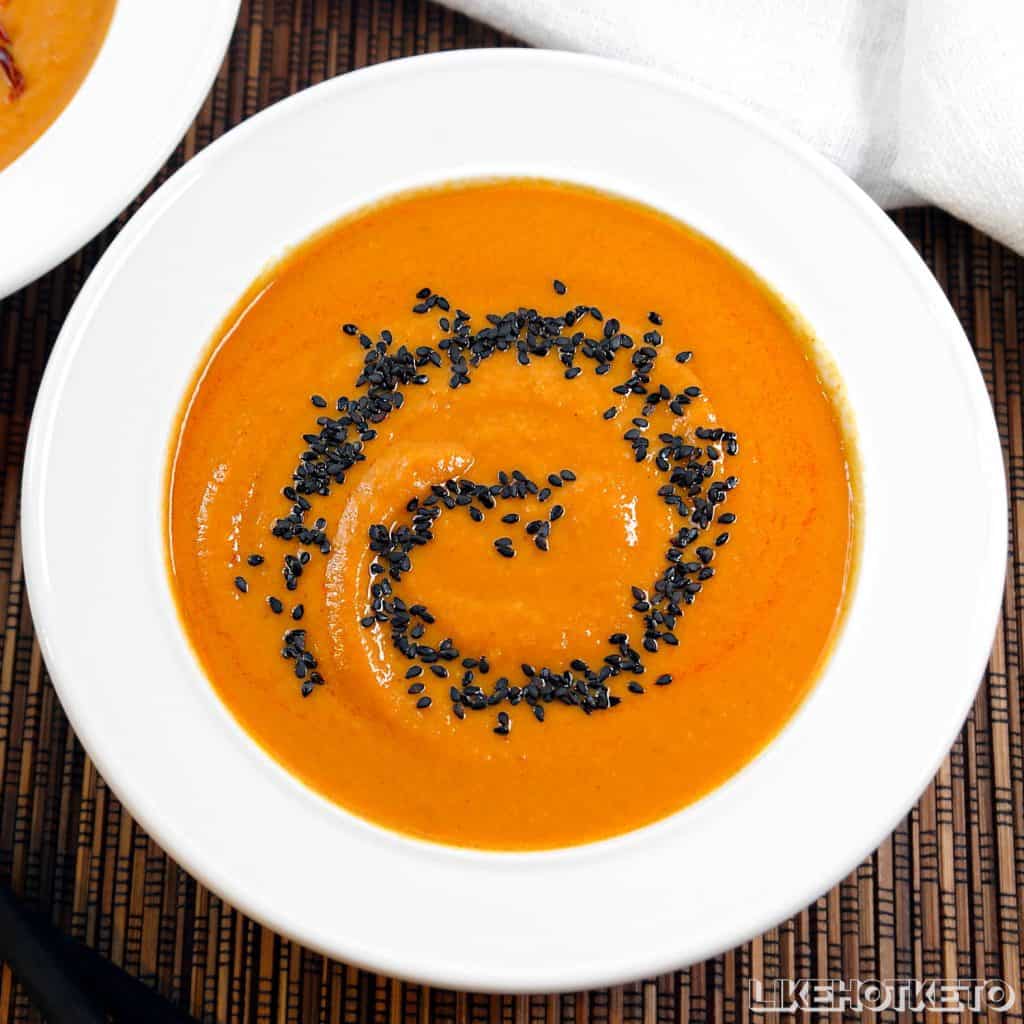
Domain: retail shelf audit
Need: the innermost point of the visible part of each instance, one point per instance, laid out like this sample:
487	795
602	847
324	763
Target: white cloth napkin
920	101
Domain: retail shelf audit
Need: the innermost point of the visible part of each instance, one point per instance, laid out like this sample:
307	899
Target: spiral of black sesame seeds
696	486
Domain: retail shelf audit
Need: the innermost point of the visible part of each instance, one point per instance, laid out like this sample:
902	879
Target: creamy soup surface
748	648
46	49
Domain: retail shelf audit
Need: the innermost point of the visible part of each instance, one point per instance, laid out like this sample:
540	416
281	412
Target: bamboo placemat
941	898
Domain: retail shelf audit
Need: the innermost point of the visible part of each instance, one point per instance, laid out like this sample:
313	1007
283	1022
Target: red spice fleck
9	66
14	75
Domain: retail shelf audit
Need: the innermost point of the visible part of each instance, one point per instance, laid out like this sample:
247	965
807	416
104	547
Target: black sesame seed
319	401
241	584
275	605
663	680
298	611
255	560
610	413
413	671
558	286
722	538
655	318
512	517
684	357
635	688
424	702
416	688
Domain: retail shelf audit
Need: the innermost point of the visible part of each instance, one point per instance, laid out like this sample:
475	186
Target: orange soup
46	50
511	515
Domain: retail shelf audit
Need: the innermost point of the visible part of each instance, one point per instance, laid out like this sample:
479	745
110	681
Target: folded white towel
920	101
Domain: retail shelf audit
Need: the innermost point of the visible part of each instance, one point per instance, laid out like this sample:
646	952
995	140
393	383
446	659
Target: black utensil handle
40	966
71	983
125	997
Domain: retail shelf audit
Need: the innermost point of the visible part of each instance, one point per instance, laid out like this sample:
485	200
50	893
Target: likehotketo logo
907	995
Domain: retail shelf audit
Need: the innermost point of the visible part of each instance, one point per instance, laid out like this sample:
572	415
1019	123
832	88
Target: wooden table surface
940	898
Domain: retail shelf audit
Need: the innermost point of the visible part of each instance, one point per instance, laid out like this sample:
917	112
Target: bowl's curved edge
209	61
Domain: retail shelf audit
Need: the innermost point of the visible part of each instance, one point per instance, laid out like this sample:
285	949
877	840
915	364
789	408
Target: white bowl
825	792
149	79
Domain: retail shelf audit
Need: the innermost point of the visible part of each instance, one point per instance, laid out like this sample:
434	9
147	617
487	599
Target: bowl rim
34	540
69	184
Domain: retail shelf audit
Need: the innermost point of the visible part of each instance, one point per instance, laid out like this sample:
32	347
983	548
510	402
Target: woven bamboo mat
942	897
